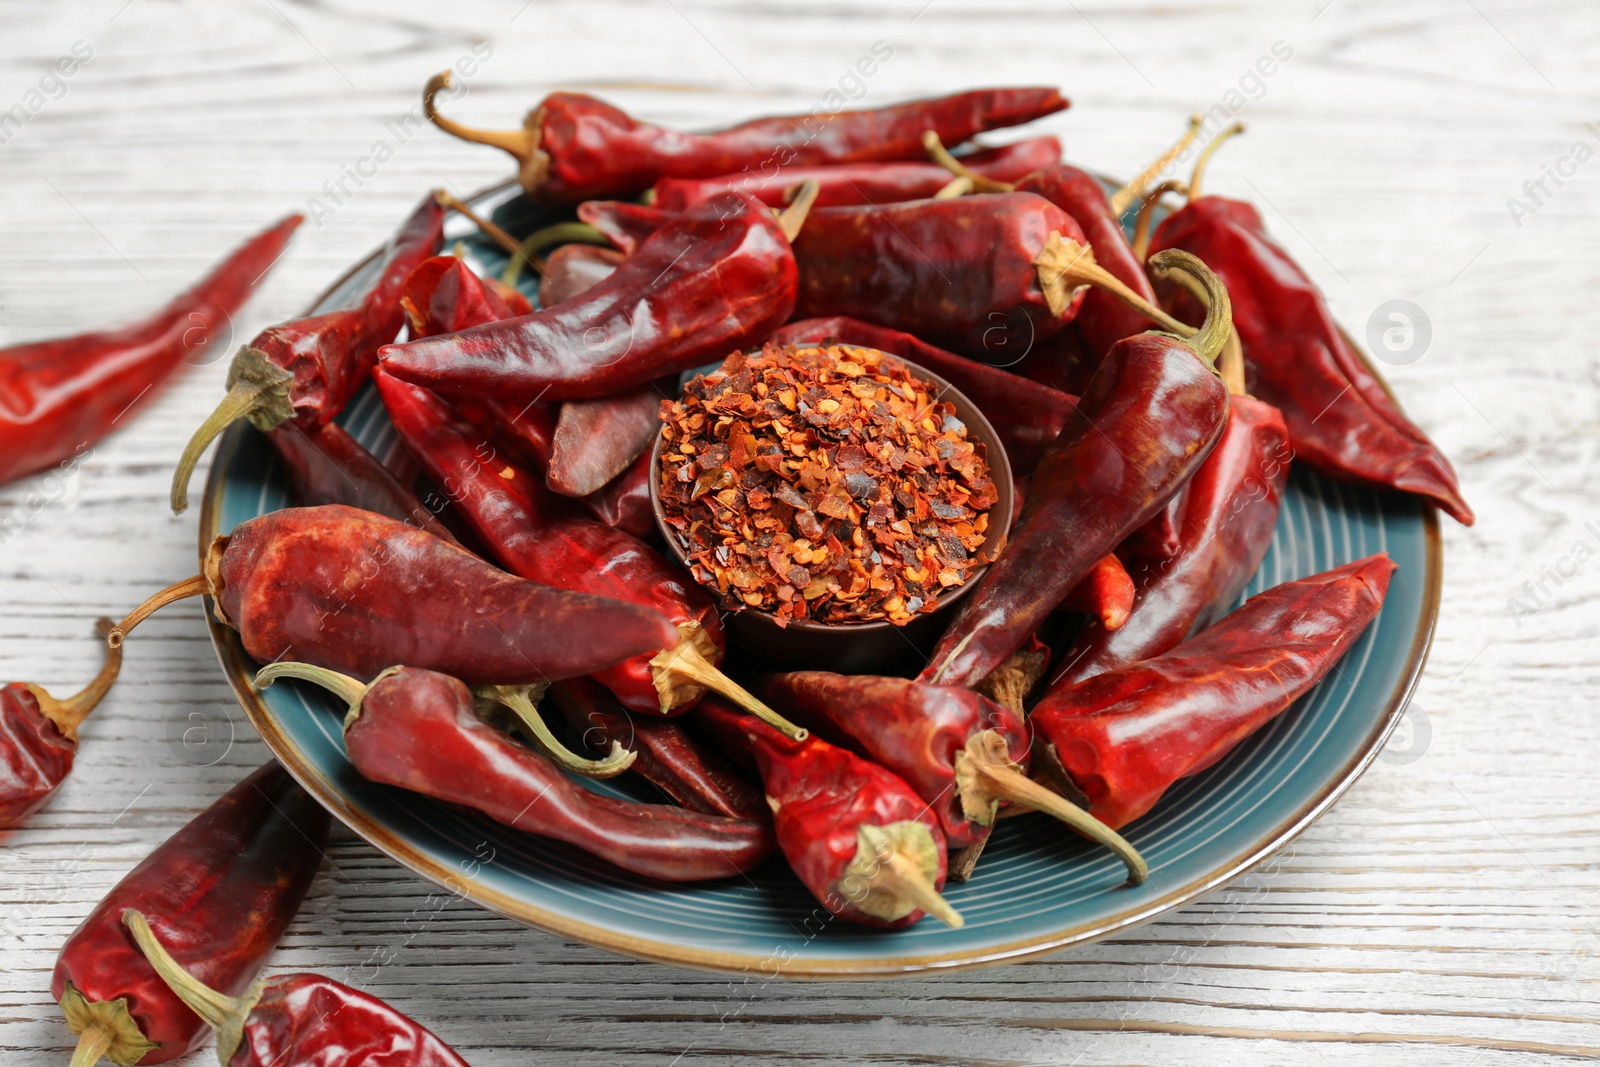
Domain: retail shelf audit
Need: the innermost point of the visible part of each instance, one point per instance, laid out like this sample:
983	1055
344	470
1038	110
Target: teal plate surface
1039	887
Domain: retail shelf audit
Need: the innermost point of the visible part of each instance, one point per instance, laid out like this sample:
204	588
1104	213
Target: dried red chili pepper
306	370
443	295
538	536
715	277
295	1020
596	440
354	591
220	892
1341	419
328	466
39	737
859	183
622	222
625	501
668	757
63	395
1122	737
417	729
1150	416
1230	510
574	269
1107	592
573	147
963	753
857	835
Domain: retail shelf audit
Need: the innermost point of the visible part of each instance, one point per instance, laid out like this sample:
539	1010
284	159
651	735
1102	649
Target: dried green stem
559	233
1205	157
518	698
189	587
69	713
941	155
793	218
222	1013
676	667
1123	198
1209	340
1064	266
1142	225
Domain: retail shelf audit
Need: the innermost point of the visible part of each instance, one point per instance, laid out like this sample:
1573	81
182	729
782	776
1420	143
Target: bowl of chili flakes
836	500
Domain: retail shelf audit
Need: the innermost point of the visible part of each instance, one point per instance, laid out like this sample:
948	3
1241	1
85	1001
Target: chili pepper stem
180	591
224	1014
793	218
941	155
1123	198
559	233
69	713
1231	363
451	202
520	701
892	873
1142	225
1205	158
1209	340
1009	683
257	390
346	688
1063	266
955	187
104	1028
676	670
985	776
523	144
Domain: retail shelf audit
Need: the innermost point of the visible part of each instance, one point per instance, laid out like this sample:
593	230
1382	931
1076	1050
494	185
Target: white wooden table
1446	911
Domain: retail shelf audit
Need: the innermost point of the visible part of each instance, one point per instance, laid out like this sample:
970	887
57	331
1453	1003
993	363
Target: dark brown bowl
861	647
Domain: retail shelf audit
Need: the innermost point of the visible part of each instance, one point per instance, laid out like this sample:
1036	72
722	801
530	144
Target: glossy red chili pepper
596	440
526	432
443	295
296	1020
354	591
668	757
625	502
574	269
306	370
1150	416
573	147
1230	510
713	279
1124	736
1027	416
417	729
856	834
59	397
328	466
39	737
860	183
624	223
1341	419
1107	592
220	892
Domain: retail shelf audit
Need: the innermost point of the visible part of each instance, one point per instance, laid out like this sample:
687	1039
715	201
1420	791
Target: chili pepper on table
538	536
354	591
328	466
39	737
668	757
307	369
1122	737
964	754
856	834
220	892
295	1020
574	269
1341	419
714	278
859	183
63	395
417	729
1151	414
574	147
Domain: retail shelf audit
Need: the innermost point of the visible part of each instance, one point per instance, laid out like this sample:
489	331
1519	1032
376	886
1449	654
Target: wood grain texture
1445	912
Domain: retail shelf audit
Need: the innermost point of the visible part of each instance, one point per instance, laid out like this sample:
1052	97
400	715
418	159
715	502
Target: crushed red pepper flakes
825	483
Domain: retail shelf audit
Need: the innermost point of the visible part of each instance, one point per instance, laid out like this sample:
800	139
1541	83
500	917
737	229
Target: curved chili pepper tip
1209	340
258	390
519	699
224	1014
978	183
1123	198
1064	266
985	775
1205	157
180	591
523	144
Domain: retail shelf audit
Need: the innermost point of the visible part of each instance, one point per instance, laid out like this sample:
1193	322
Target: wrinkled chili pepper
1027	416
973	272
625	501
1150	416
963	753
328	466
354	591
573	147
538	536
856	834
668	757
624	223
1124	736
574	269
306	370
443	295
417	729
596	440
1341	419
1230	510
220	892
296	1020
714	278
59	397
39	737
860	183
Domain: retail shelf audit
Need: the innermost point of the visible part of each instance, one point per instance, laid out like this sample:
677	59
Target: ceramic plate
1038	889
